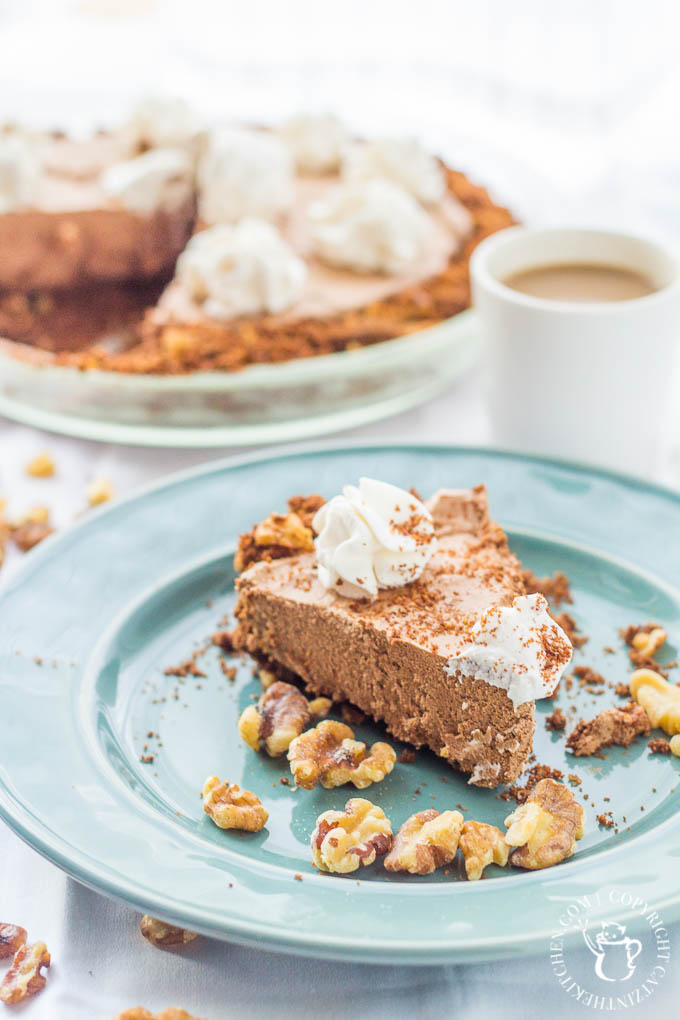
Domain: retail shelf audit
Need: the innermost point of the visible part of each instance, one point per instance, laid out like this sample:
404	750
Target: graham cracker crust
176	348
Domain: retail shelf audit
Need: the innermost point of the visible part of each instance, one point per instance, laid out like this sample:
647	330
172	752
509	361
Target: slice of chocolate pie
416	613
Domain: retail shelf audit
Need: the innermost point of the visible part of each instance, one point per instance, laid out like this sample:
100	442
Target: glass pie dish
262	403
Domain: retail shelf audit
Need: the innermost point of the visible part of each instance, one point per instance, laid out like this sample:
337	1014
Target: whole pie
169	247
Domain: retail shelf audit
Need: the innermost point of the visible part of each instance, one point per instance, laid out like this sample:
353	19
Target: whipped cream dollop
402	160
517	647
244	172
316	140
245	269
373	536
162	122
371	226
159	177
21	172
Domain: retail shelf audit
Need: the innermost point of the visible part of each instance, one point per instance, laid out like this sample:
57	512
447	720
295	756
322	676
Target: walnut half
23	978
482	844
281	715
545	828
329	754
344	840
659	698
158	933
426	841
233	808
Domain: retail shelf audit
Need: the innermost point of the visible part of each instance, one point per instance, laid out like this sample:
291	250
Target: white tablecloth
101	962
570	117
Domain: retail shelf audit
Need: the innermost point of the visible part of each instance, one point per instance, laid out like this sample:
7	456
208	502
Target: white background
569	112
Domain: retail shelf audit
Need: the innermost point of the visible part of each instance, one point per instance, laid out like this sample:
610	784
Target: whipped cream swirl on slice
246	269
373	536
244	173
519	648
161	122
159	177
317	141
402	160
371	226
21	172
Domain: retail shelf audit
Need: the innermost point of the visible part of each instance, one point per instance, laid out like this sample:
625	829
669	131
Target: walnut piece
42	466
482	844
426	841
320	707
286	530
617	725
675	745
12	937
139	1013
281	714
279	535
545	828
158	933
648	642
233	808
329	754
659	698
24	978
100	490
344	840
267	678
643	641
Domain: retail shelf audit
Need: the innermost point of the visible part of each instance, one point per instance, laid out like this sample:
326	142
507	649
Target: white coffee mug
589	381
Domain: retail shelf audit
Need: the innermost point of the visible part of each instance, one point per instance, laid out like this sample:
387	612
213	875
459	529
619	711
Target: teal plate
97	615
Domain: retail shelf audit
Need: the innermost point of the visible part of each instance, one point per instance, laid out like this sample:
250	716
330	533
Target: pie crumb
612	726
659	746
557	720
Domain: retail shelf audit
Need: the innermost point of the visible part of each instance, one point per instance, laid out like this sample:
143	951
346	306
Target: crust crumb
407	756
568	624
557	720
535	774
612	726
556	589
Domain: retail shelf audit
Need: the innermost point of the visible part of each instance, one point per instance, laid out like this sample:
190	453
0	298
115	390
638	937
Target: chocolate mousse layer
389	656
74	319
74	234
70	248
